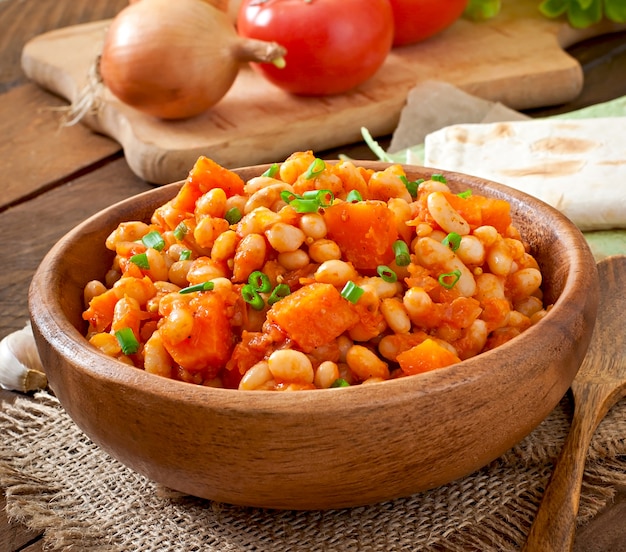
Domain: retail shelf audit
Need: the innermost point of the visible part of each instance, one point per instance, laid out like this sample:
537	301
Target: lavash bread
577	166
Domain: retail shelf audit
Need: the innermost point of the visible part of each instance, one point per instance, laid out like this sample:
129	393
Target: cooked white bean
156	358
266	197
489	286
256	377
396	315
293	260
445	215
471	251
288	365
499	258
325	374
335	272
365	364
324	250
525	281
433	254
211	203
284	237
313	225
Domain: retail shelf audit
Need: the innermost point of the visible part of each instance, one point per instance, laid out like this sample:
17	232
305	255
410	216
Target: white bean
433	254
445	215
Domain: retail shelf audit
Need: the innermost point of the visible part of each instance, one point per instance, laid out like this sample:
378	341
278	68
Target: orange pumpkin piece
426	356
482	211
205	175
313	315
364	231
209	344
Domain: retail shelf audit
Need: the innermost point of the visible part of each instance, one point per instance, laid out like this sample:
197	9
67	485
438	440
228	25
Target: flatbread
577	166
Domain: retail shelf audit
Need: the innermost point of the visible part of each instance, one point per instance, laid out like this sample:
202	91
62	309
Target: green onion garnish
233	215
127	340
153	239
438	178
339	382
452	240
141	260
280	291
185	255
315	169
180	231
387	274
288	196
302	205
411	186
272	170
354	197
401	251
324	198
252	297
465	194
352	292
453	276
204	286
260	282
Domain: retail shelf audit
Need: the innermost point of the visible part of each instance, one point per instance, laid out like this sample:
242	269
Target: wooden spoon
599	384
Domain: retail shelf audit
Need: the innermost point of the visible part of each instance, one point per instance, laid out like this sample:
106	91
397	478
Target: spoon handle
555	523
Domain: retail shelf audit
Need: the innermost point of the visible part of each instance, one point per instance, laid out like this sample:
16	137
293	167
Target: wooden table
53	178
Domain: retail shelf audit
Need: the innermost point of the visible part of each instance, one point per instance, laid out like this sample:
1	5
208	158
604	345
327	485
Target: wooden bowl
325	448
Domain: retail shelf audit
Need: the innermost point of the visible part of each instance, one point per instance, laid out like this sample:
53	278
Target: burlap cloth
57	480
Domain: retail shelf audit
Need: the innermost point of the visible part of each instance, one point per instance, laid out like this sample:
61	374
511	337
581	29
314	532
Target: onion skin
175	59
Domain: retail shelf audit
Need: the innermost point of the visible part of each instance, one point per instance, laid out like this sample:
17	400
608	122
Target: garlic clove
20	365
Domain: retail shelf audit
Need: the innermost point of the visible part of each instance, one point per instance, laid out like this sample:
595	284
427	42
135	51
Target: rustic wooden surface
51	180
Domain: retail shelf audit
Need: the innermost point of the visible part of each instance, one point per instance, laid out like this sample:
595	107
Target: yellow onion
175	60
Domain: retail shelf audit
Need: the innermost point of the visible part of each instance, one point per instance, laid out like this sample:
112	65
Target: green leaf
553	8
615	10
377	150
580	18
584	4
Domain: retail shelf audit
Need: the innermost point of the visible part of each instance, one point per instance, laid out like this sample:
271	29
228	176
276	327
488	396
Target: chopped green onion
272	170
180	231
401	251
260	282
315	169
387	274
185	255
280	291
324	198
339	382
411	186
454	275
302	205
233	215
204	286
288	196
153	239
141	260
352	292
465	194
127	340
439	178
252	297
354	197
452	240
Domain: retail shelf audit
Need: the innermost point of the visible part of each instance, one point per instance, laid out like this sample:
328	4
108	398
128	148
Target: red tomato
417	20
332	45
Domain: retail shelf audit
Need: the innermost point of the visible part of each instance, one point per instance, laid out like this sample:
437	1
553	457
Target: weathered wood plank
36	152
30	229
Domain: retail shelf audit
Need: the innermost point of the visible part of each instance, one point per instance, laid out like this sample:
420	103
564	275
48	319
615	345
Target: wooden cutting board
517	58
